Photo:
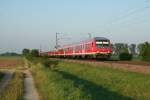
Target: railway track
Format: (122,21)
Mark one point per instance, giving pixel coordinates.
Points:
(134,66)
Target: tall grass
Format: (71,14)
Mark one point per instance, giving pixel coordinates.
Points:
(129,84)
(52,86)
(14,89)
(73,81)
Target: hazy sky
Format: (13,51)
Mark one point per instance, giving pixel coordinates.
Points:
(31,23)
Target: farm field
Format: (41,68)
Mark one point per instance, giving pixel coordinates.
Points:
(74,81)
(10,62)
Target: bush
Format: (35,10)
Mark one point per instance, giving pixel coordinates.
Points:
(50,64)
(125,56)
(46,63)
(29,54)
(35,53)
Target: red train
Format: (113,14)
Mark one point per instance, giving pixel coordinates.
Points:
(98,47)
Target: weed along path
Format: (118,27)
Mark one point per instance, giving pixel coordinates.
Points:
(30,92)
(6,78)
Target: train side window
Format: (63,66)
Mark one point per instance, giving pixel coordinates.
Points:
(89,45)
(83,47)
(92,44)
(86,46)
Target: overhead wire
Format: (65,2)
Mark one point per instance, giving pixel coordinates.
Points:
(124,18)
(129,14)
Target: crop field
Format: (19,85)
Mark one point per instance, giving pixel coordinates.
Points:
(10,62)
(75,81)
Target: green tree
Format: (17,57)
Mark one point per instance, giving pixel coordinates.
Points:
(35,53)
(124,53)
(140,48)
(25,52)
(145,51)
(120,47)
(132,49)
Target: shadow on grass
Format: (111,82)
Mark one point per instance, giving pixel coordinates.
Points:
(96,92)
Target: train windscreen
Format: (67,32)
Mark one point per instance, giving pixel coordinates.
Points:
(101,44)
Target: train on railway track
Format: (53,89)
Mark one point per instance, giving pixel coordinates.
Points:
(97,47)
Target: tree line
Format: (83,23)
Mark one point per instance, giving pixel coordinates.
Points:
(29,54)
(126,52)
(10,54)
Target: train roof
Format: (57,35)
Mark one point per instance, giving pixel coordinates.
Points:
(88,40)
(100,38)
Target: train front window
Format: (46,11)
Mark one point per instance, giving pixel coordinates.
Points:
(101,44)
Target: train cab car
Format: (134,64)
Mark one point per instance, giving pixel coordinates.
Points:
(102,47)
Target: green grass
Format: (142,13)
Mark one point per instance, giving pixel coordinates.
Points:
(14,89)
(136,58)
(114,57)
(52,86)
(73,81)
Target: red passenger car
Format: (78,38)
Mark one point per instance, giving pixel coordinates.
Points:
(98,47)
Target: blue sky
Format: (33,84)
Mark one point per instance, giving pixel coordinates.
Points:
(31,23)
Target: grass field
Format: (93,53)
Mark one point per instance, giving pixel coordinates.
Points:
(14,89)
(9,57)
(73,81)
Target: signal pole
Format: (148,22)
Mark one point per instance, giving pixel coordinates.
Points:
(90,35)
(57,40)
(40,48)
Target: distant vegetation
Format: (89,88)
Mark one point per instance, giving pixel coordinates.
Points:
(145,51)
(10,54)
(127,52)
(30,54)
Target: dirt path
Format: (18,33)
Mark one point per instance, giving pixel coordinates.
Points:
(5,80)
(30,92)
